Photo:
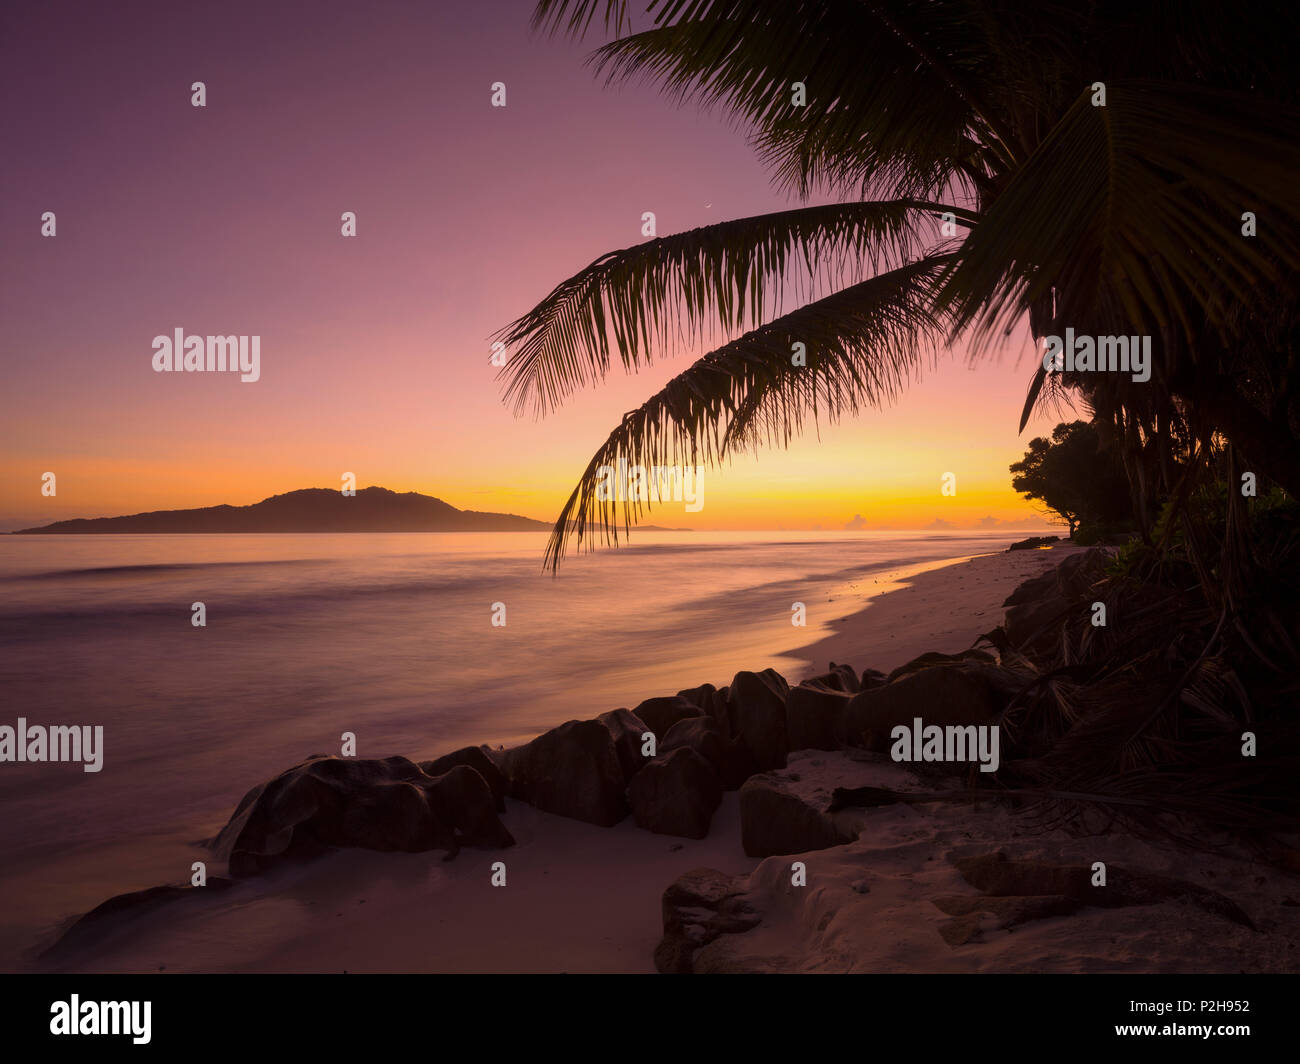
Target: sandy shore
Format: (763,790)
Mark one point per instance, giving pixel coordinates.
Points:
(942,606)
(578,898)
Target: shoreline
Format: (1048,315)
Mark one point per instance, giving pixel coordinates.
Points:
(927,607)
(143,828)
(586,898)
(264,924)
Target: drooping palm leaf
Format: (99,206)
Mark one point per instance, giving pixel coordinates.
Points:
(862,344)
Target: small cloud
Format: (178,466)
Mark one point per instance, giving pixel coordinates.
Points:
(940,523)
(988,521)
(856,525)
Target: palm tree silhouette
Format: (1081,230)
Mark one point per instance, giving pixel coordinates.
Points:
(1072,164)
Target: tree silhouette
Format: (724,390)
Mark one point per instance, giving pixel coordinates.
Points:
(1074,476)
(984,182)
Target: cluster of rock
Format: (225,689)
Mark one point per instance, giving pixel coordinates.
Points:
(388,804)
(709,740)
(1033,543)
(1038,607)
(326,802)
(666,763)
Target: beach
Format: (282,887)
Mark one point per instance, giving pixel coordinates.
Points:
(388,637)
(578,897)
(943,607)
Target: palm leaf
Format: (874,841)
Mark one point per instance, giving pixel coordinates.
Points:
(1136,204)
(862,344)
(574,17)
(730,276)
(890,120)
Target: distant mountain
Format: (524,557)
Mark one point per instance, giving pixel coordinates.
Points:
(311,510)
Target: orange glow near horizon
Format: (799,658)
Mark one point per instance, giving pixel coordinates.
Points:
(883,467)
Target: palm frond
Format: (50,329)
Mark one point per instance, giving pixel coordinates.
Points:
(574,17)
(894,121)
(862,344)
(1138,204)
(676,289)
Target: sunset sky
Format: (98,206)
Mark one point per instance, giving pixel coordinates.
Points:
(374,350)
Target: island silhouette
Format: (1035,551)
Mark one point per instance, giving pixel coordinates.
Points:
(371,509)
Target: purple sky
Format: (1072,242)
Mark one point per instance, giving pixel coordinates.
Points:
(225,219)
